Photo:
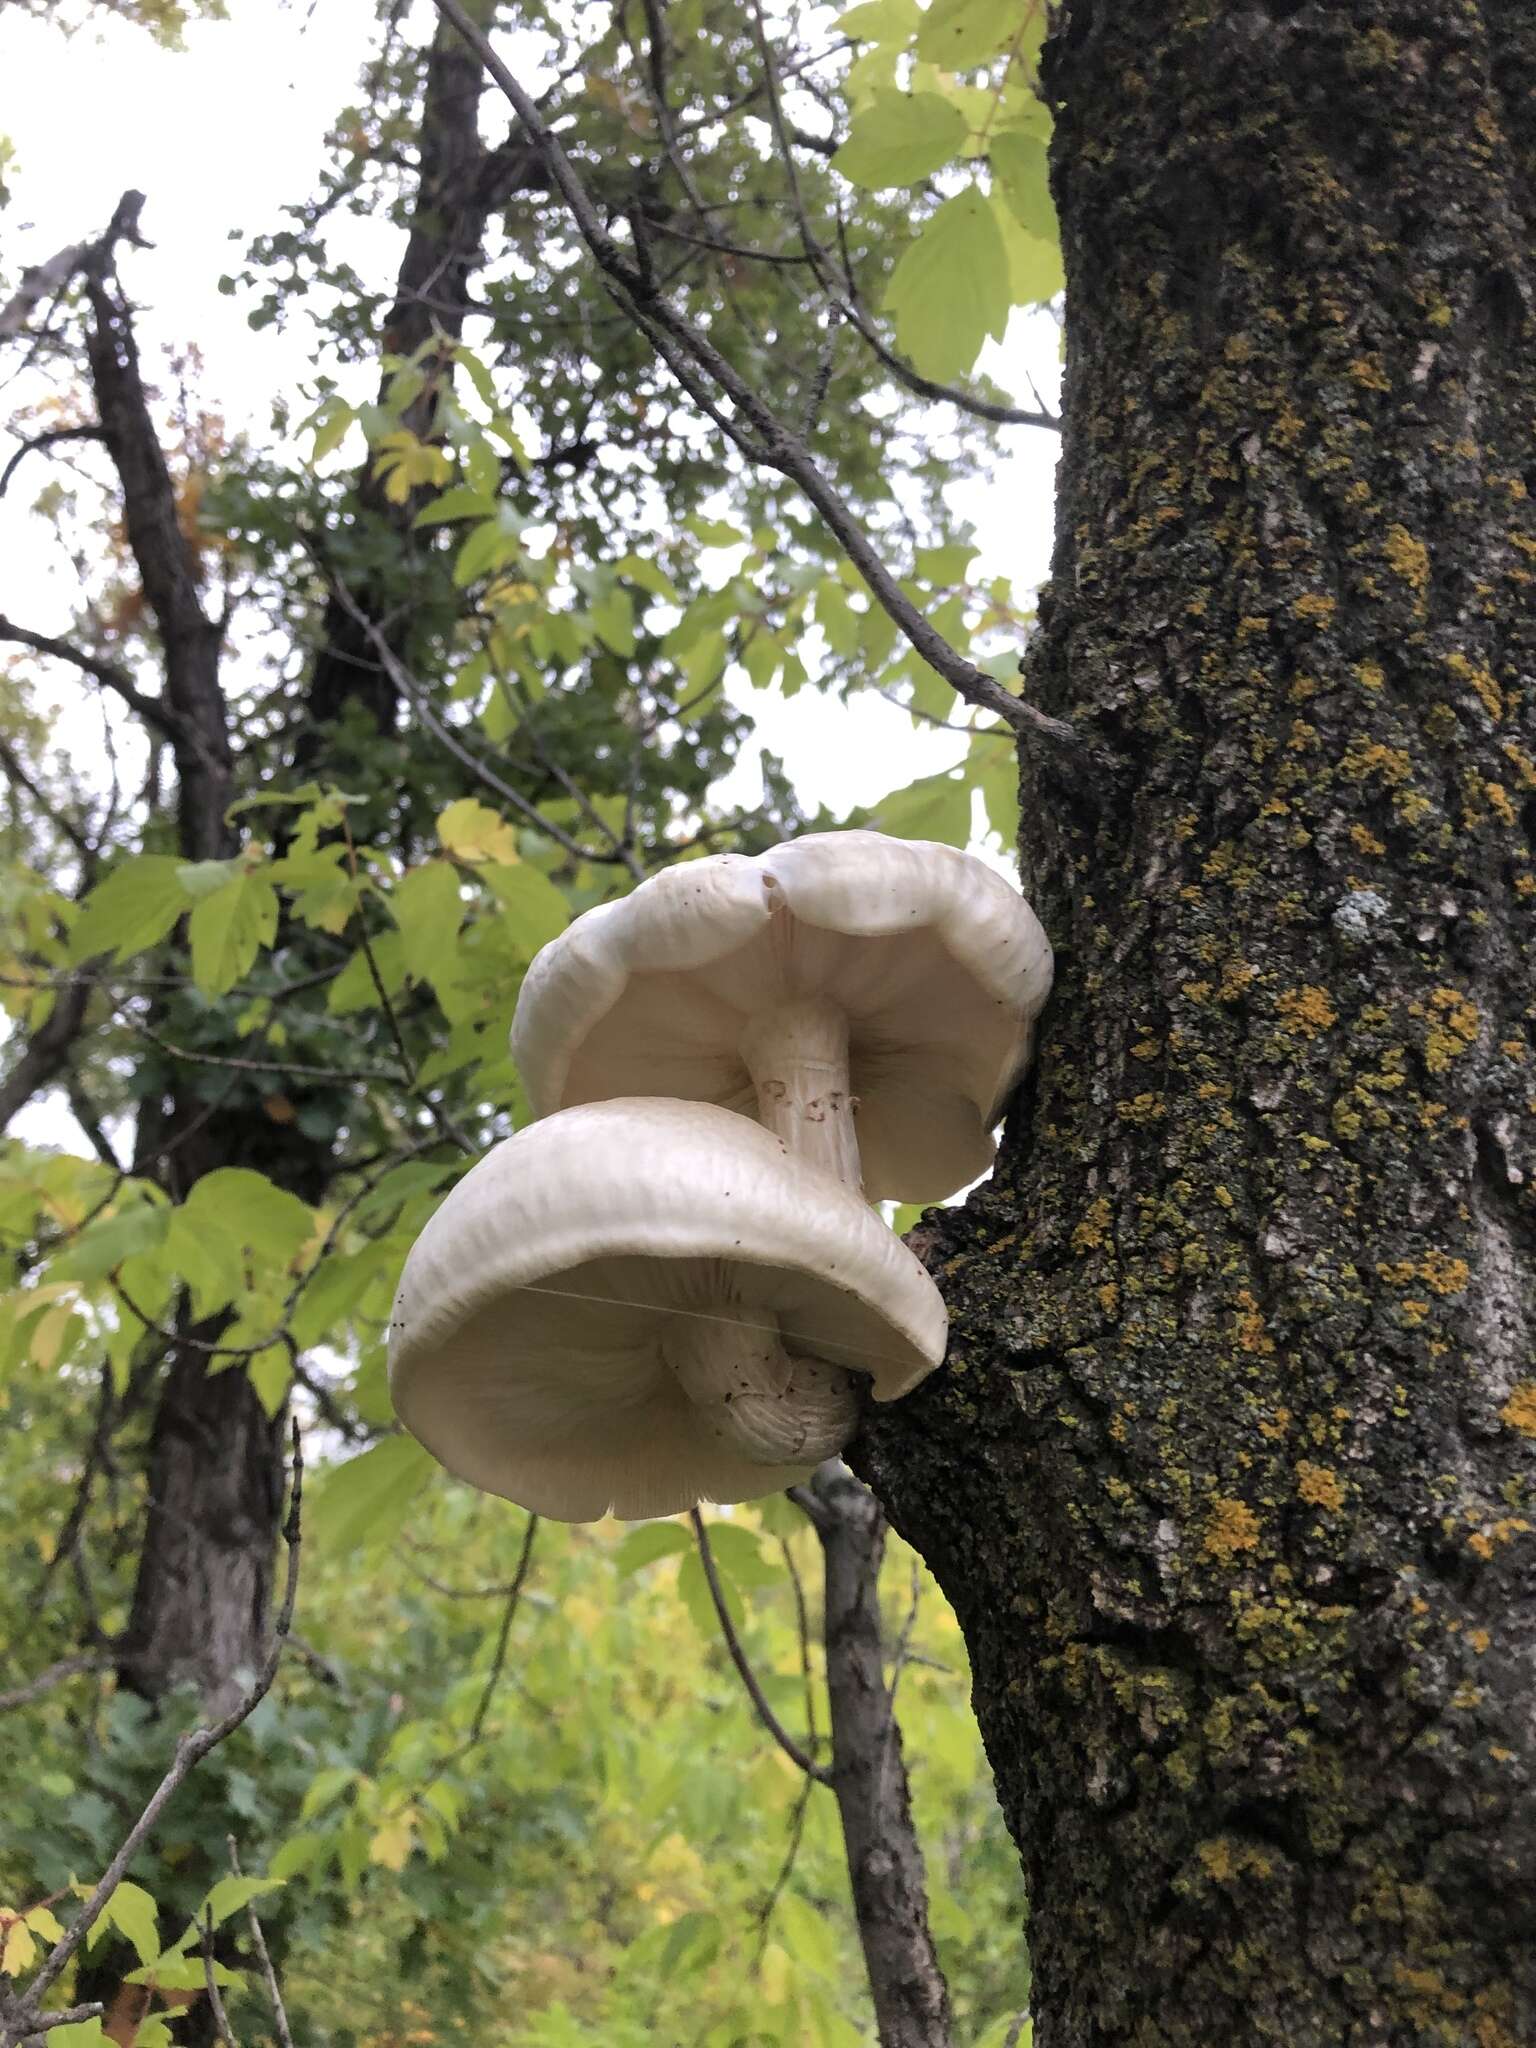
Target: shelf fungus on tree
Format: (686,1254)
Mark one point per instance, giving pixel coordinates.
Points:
(640,1304)
(870,1000)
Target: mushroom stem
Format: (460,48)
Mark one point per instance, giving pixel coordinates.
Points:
(797,1056)
(774,1407)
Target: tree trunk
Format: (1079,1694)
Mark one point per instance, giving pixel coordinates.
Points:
(1230,1475)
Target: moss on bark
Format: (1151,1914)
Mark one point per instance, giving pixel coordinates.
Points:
(1232,1472)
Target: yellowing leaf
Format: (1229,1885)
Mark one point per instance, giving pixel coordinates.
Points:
(392,1844)
(951,288)
(48,1335)
(472,833)
(774,1975)
(17,1947)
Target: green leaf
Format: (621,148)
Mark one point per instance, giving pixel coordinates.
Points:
(936,807)
(995,771)
(714,533)
(699,1601)
(459,503)
(230,1894)
(879,21)
(131,1911)
(489,547)
(229,928)
(1020,164)
(534,909)
(78,2034)
(332,424)
(1035,274)
(301,1852)
(103,1246)
(364,1501)
(652,1540)
(693,1942)
(478,375)
(740,1552)
(960,34)
(951,288)
(427,908)
(240,1215)
(132,909)
(899,138)
(613,619)
(270,1372)
(200,878)
(943,567)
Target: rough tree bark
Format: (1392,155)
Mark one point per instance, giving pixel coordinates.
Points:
(1230,1474)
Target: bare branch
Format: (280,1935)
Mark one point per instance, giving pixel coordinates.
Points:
(51,439)
(46,1052)
(210,1976)
(748,1676)
(752,426)
(264,1960)
(56,1674)
(509,1613)
(45,280)
(152,710)
(20,2017)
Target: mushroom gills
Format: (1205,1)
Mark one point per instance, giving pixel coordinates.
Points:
(797,1056)
(775,1407)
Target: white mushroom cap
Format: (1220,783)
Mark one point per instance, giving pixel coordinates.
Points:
(938,962)
(528,1348)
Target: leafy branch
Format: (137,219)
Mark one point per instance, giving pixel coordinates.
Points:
(752,427)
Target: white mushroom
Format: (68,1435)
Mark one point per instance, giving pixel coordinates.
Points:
(844,972)
(638,1305)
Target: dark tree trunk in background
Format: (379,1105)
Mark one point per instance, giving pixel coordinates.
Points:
(460,183)
(1230,1475)
(204,1581)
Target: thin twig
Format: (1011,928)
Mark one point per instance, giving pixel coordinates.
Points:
(210,1977)
(263,1959)
(245,1066)
(21,2018)
(50,439)
(56,1674)
(753,427)
(416,697)
(748,1676)
(150,709)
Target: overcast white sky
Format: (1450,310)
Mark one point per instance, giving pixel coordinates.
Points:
(219,137)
